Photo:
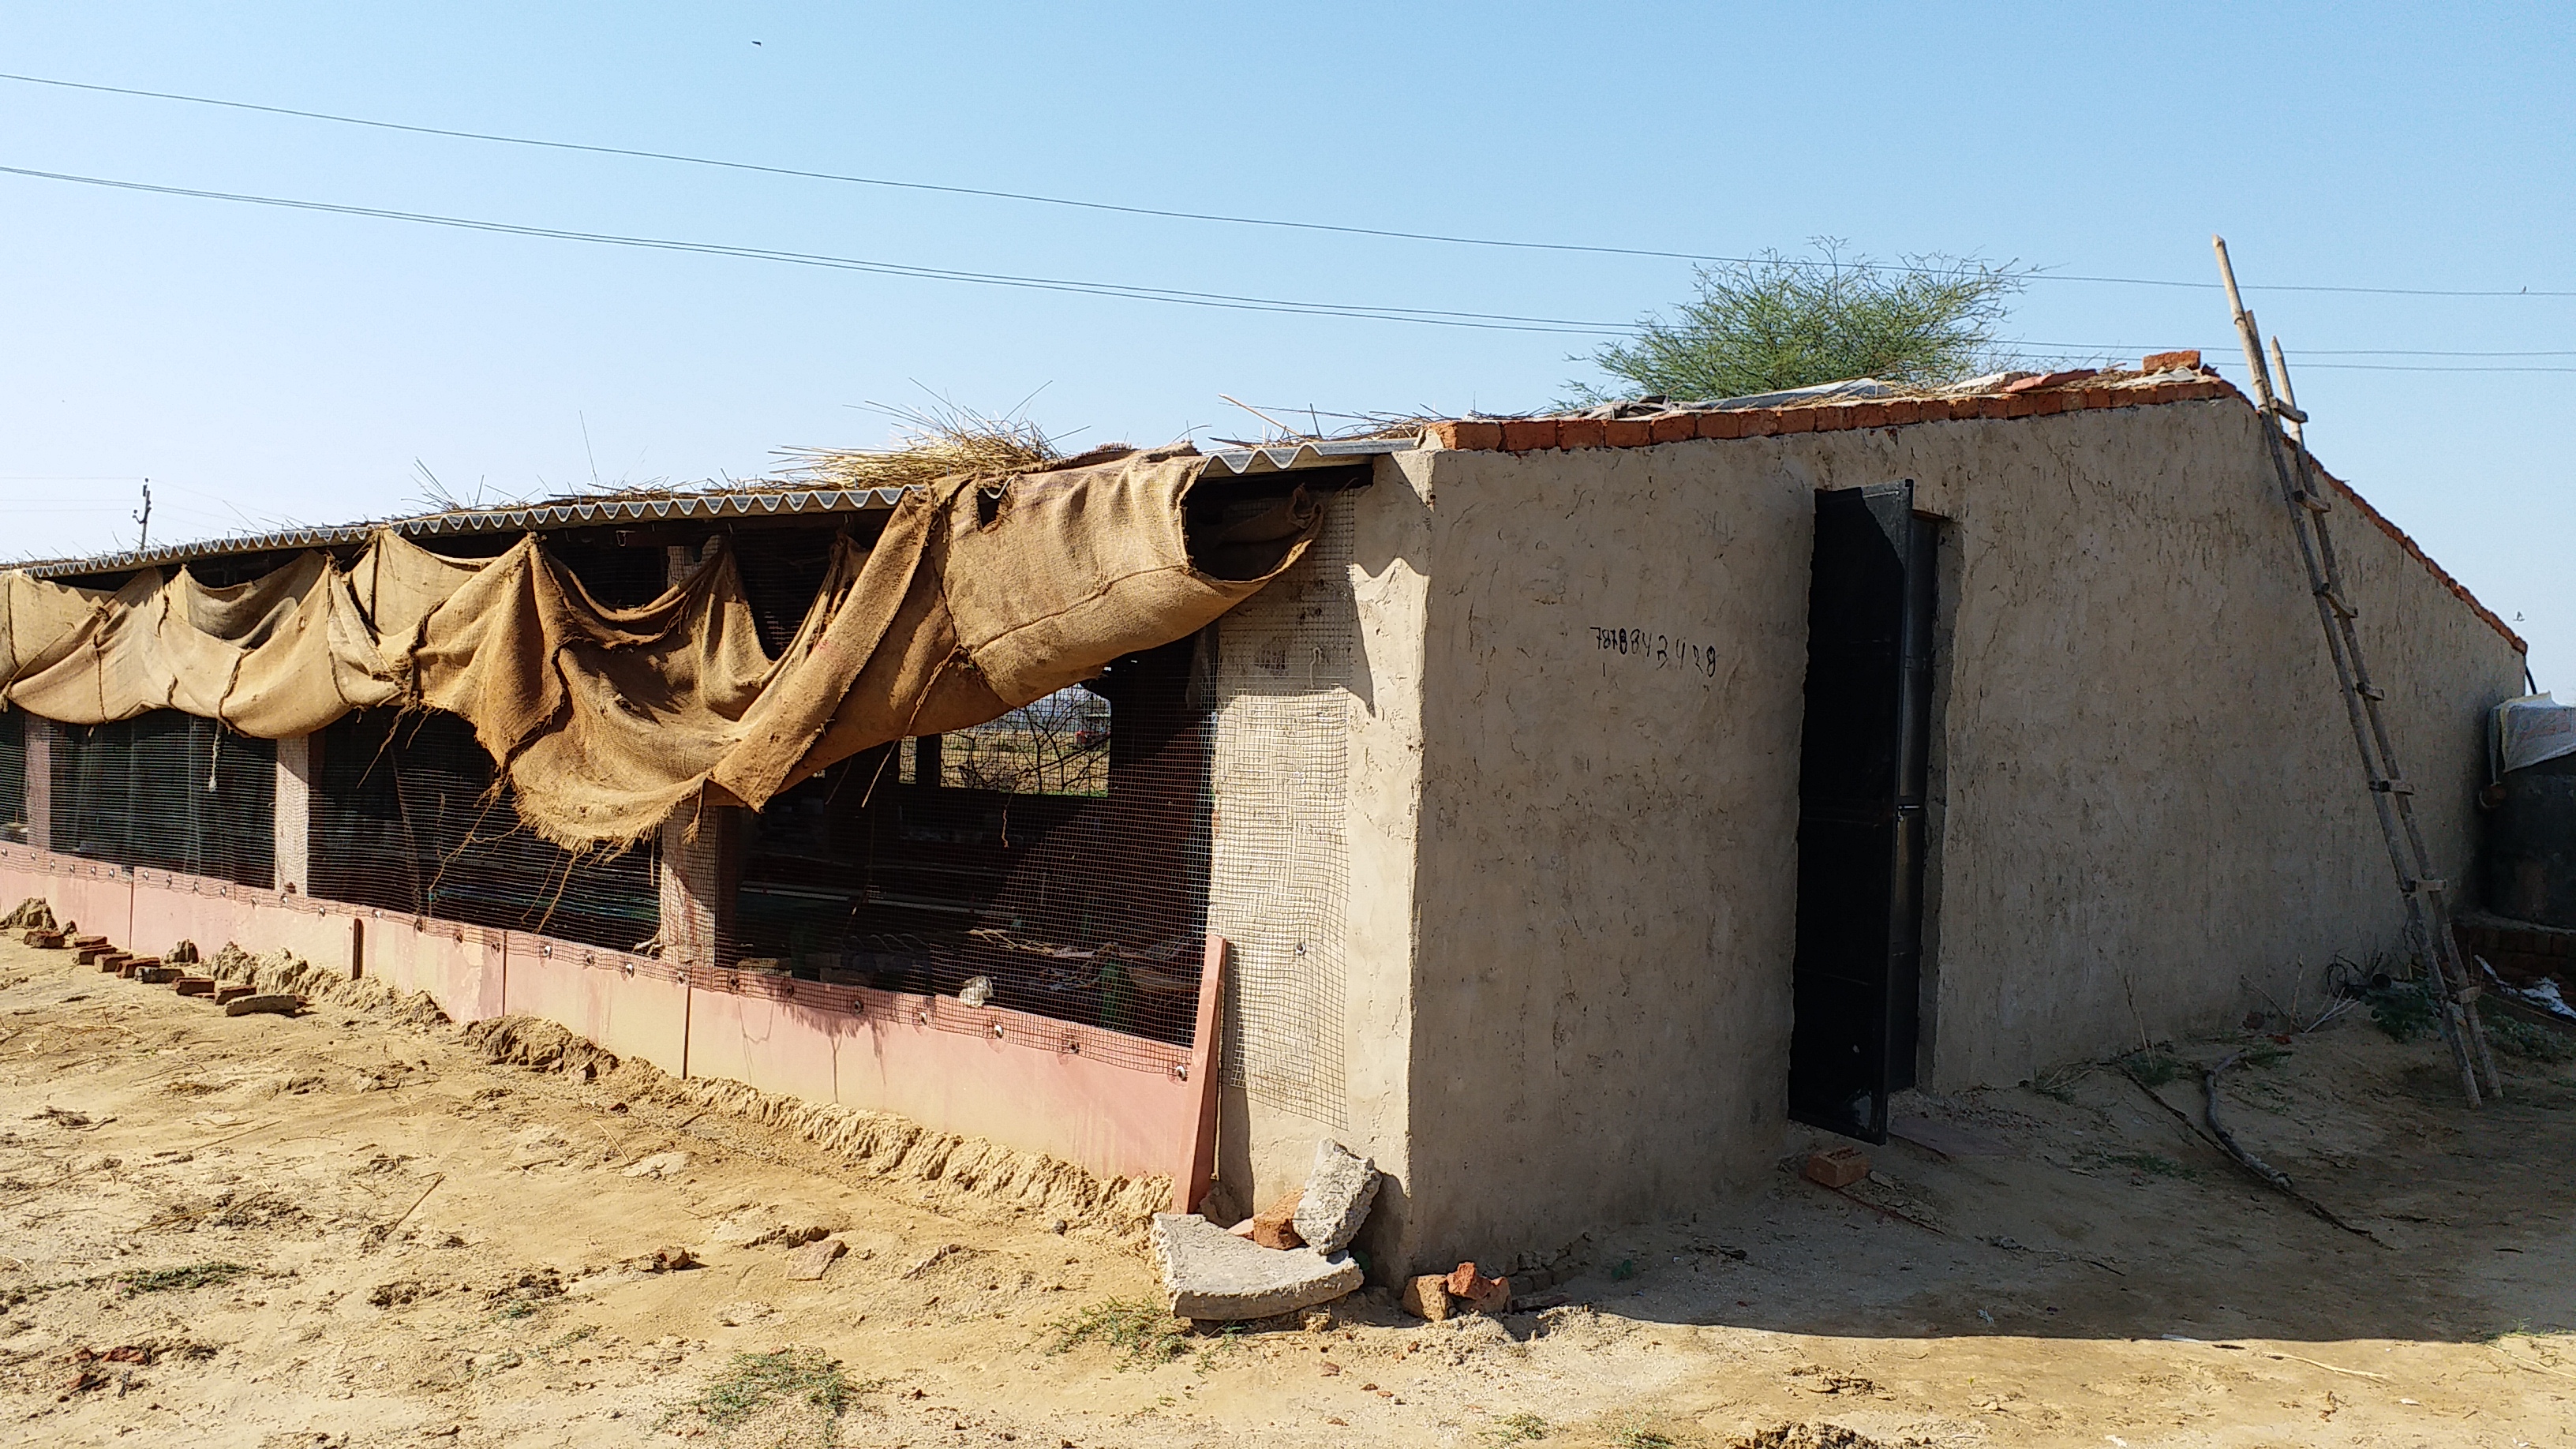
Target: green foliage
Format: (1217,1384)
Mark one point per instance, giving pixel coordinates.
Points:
(2521,1038)
(2154,1067)
(1144,1333)
(2403,1009)
(1781,322)
(756,1380)
(165,1280)
(2150,1163)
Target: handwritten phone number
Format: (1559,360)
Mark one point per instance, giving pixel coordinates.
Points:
(1663,651)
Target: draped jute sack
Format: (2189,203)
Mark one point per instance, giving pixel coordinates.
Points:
(982,594)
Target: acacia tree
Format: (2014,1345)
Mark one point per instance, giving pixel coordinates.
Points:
(1780,322)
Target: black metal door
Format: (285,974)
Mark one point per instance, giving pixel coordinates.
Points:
(1861,777)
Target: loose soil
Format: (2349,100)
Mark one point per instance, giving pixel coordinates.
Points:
(350,1228)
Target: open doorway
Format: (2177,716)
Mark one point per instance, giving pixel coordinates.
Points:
(1862,775)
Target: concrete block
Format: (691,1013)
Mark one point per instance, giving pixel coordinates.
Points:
(282,1004)
(1839,1168)
(1209,1273)
(1277,1228)
(1338,1195)
(807,1263)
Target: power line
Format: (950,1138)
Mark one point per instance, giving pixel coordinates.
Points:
(1422,316)
(1487,321)
(1170,214)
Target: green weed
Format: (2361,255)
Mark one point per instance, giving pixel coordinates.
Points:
(1144,1333)
(2404,1009)
(2154,1066)
(2522,1039)
(2059,1082)
(754,1381)
(1517,1428)
(1632,1437)
(2150,1163)
(166,1280)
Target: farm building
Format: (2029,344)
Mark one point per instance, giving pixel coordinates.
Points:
(1569,803)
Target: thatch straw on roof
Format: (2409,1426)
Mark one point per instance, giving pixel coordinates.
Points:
(940,442)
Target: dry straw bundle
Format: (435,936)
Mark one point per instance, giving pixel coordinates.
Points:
(931,443)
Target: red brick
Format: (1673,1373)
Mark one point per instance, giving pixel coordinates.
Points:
(1277,1228)
(234,992)
(1465,436)
(1835,418)
(1797,420)
(1841,1167)
(1721,425)
(1759,422)
(2045,403)
(2020,405)
(1427,1296)
(2161,361)
(1907,410)
(1871,415)
(2051,379)
(1470,1289)
(1522,435)
(1580,433)
(1628,432)
(2096,397)
(1673,427)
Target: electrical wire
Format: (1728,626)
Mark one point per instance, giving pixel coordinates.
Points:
(1171,214)
(1421,316)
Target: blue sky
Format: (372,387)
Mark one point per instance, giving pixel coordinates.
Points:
(263,365)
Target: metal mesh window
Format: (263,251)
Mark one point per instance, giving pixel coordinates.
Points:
(167,791)
(405,818)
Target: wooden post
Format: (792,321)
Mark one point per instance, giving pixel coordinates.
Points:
(1198,1159)
(40,781)
(298,758)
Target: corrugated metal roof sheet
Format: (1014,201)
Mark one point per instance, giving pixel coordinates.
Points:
(595,512)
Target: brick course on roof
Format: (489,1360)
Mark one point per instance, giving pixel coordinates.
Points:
(2041,395)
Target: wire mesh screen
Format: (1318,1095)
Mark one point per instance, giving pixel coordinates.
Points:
(405,819)
(167,791)
(13,776)
(1279,878)
(1053,861)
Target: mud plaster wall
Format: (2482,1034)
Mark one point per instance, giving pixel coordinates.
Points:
(2144,784)
(1318,739)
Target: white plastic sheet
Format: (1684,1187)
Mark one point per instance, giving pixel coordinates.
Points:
(2532,729)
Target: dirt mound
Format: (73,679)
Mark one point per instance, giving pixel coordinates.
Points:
(1818,1436)
(285,973)
(878,1144)
(33,914)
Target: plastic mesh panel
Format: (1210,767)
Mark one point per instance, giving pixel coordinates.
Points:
(167,791)
(13,776)
(405,819)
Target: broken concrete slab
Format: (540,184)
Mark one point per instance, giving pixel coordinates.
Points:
(1209,1273)
(808,1263)
(1338,1195)
(278,1002)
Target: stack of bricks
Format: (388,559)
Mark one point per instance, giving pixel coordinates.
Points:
(2521,953)
(2029,397)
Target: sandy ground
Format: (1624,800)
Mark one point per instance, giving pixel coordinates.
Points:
(337,1229)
